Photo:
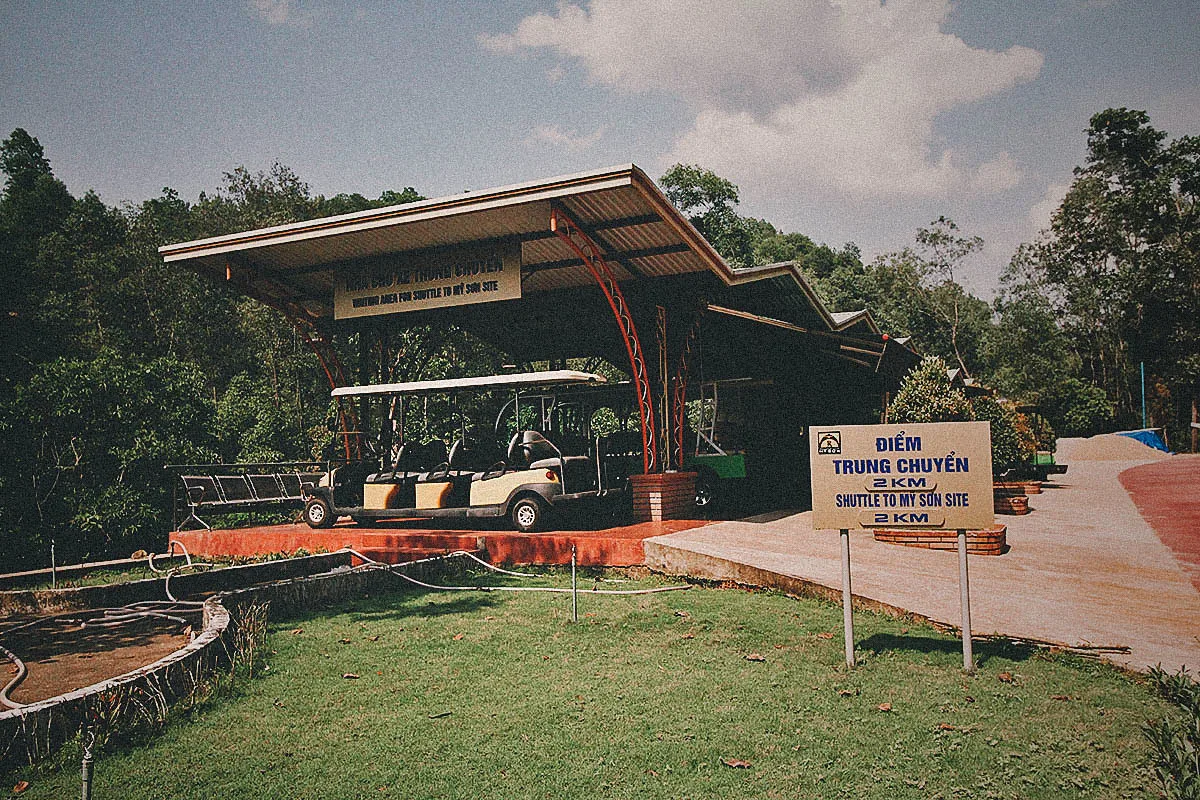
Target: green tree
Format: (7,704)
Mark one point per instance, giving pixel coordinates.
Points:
(710,203)
(926,395)
(88,439)
(1121,264)
(942,254)
(33,205)
(914,292)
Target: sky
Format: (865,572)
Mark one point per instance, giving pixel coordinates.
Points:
(845,120)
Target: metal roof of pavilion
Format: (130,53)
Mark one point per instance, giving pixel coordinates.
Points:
(643,235)
(651,247)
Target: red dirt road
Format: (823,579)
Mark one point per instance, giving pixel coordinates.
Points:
(1167,493)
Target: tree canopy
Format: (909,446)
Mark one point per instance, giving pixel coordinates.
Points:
(116,364)
(1119,270)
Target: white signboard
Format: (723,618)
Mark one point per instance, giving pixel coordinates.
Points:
(925,476)
(452,277)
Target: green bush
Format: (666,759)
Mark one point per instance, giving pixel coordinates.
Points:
(926,396)
(1176,740)
(1082,408)
(1013,441)
(1043,433)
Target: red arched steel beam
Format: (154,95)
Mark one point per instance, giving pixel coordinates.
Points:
(568,231)
(679,390)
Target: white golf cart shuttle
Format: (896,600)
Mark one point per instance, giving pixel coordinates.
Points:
(476,476)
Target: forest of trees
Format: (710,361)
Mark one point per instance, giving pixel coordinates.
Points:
(115,365)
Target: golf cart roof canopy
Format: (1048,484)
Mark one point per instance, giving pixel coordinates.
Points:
(520,380)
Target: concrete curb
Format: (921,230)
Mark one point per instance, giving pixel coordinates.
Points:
(670,560)
(38,602)
(33,732)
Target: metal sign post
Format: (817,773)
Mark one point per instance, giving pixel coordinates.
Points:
(847,599)
(964,588)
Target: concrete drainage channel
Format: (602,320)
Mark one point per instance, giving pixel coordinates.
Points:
(32,732)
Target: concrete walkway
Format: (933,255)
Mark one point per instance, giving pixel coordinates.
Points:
(1084,569)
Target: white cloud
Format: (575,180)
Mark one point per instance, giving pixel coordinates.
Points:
(569,140)
(1043,210)
(837,96)
(996,174)
(281,12)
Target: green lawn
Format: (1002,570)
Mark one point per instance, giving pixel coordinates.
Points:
(495,695)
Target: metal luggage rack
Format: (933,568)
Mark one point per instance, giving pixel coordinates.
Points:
(218,488)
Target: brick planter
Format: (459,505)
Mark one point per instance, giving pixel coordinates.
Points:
(990,542)
(663,495)
(1014,488)
(1016,506)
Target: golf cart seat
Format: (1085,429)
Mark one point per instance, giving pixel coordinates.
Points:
(411,460)
(430,454)
(467,457)
(528,447)
(514,458)
(532,450)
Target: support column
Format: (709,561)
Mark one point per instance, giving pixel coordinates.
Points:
(589,252)
(679,393)
(665,422)
(663,495)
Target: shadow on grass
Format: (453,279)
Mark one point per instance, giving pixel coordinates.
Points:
(397,606)
(418,606)
(984,650)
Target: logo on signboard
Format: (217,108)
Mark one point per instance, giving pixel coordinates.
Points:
(829,443)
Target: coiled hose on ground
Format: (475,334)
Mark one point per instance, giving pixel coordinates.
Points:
(550,589)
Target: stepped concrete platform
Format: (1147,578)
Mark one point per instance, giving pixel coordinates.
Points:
(409,540)
(1084,569)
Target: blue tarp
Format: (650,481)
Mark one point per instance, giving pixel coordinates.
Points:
(1148,437)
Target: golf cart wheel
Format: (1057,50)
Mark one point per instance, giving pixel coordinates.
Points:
(527,514)
(318,514)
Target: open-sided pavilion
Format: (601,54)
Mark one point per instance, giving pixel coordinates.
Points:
(592,264)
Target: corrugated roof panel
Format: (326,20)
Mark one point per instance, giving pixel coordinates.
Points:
(845,317)
(566,278)
(669,264)
(608,204)
(410,213)
(421,234)
(543,250)
(640,237)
